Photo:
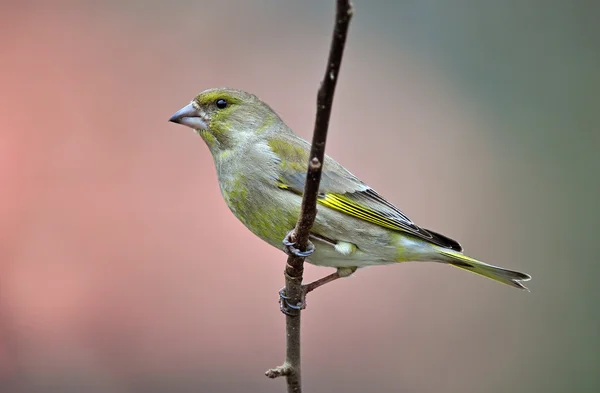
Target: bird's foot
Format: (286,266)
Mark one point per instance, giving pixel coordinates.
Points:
(290,247)
(291,309)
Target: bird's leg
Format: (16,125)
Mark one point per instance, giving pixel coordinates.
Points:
(284,305)
(311,286)
(341,272)
(291,250)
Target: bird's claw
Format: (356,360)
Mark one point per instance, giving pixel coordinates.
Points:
(291,250)
(287,239)
(291,309)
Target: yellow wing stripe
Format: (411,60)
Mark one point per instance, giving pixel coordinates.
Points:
(352,208)
(345,205)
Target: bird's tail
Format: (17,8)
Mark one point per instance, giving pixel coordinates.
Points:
(509,277)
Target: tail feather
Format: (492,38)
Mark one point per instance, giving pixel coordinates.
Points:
(505,276)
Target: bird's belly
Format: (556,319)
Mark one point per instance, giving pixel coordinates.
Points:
(270,215)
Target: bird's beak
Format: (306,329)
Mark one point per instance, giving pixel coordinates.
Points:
(189,116)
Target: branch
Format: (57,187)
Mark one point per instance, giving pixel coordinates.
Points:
(295,265)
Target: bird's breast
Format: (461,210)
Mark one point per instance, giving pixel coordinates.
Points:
(264,210)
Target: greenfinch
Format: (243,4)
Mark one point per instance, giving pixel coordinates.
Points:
(261,166)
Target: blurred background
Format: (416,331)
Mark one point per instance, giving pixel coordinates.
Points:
(122,270)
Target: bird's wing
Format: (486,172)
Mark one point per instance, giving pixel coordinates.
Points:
(342,191)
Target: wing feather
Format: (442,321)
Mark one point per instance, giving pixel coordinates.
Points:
(342,191)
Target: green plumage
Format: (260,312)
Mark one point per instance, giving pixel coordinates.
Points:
(261,164)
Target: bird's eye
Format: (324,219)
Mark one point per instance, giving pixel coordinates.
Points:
(221,103)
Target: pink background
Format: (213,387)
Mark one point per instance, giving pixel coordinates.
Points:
(122,270)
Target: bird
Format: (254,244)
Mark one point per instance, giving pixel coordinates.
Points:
(261,167)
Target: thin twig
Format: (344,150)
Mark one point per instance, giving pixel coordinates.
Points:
(295,265)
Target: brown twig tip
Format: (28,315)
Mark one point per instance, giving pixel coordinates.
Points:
(280,371)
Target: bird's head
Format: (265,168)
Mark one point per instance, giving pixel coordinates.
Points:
(226,118)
